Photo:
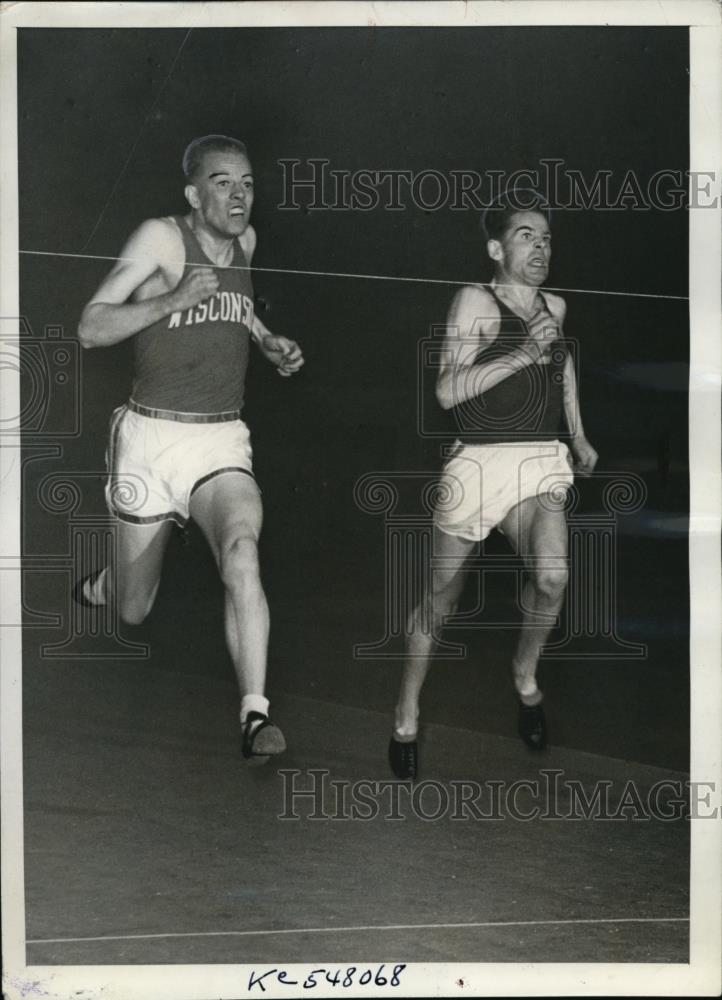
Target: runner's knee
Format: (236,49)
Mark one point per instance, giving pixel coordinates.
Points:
(443,599)
(238,562)
(551,581)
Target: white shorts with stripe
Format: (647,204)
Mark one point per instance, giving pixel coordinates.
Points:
(480,484)
(156,463)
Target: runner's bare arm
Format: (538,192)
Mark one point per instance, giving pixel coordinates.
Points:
(472,326)
(585,456)
(259,331)
(110,318)
(572,415)
(285,354)
(248,243)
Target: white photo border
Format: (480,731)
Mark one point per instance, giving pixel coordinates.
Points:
(702,975)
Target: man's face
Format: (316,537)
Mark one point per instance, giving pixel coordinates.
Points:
(222,192)
(525,249)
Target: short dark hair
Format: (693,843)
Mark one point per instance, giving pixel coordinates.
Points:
(497,217)
(196,150)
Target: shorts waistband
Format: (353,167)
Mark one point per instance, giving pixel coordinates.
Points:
(184,418)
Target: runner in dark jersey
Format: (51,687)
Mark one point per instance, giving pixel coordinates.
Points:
(179,449)
(507,379)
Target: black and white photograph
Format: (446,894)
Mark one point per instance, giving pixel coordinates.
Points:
(360,462)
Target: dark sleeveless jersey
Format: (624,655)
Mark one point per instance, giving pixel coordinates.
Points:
(525,406)
(195,361)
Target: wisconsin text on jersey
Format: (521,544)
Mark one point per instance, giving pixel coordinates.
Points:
(230,307)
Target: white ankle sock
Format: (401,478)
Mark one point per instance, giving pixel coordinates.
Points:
(530,697)
(253,703)
(408,730)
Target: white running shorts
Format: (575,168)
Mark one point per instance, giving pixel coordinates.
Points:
(480,484)
(155,465)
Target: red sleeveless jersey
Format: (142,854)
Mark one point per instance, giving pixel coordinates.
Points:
(195,361)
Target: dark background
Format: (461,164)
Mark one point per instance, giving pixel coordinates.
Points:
(445,99)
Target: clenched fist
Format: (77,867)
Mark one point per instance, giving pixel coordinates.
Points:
(285,354)
(198,284)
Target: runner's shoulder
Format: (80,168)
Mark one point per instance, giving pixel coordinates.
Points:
(475,311)
(159,238)
(164,227)
(557,305)
(475,297)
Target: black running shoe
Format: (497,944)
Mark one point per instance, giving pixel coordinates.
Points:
(532,726)
(404,759)
(261,738)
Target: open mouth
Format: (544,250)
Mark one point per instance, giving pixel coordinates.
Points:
(538,262)
(236,212)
